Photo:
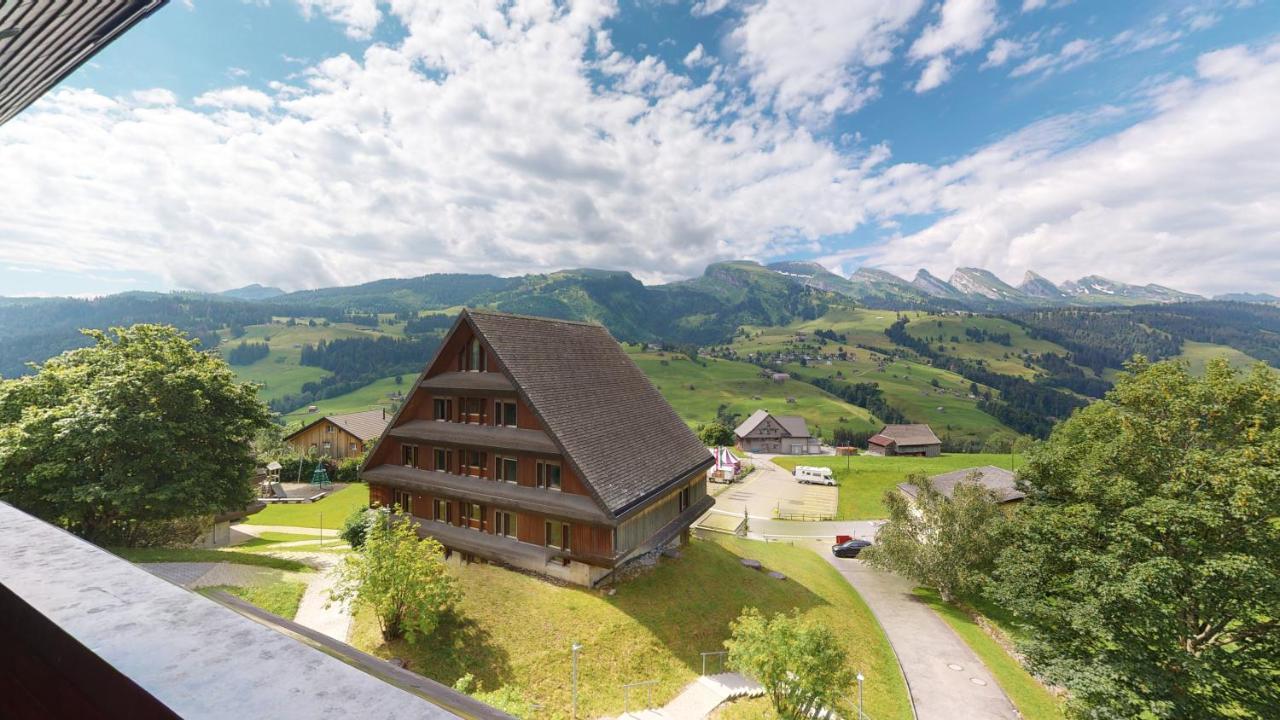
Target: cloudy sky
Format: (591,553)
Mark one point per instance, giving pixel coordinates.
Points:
(305,143)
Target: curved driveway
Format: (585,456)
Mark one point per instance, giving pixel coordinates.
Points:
(946,679)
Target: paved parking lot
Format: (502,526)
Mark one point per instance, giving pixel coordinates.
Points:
(770,489)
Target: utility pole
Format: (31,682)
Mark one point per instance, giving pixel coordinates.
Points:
(576,647)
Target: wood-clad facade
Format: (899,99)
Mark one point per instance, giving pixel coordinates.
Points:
(475,462)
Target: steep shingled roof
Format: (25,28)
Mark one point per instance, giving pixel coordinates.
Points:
(998,480)
(616,428)
(366,425)
(908,435)
(794,425)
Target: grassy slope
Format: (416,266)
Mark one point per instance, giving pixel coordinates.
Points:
(517,629)
(864,479)
(280,598)
(335,507)
(1031,698)
(736,384)
(371,396)
(905,383)
(932,326)
(150,555)
(1199,354)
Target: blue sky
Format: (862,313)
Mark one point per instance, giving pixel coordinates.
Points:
(315,142)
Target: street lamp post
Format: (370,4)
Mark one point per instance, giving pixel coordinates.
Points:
(860,679)
(576,648)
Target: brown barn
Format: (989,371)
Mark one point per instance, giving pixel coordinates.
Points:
(912,440)
(538,443)
(339,436)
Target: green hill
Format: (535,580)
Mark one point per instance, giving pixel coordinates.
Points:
(697,390)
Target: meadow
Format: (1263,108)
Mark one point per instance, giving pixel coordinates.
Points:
(696,390)
(864,479)
(514,631)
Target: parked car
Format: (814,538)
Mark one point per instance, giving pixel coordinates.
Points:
(809,475)
(850,548)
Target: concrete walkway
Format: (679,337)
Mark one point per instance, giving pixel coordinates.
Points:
(700,698)
(315,610)
(946,679)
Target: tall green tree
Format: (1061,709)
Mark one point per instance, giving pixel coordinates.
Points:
(800,663)
(945,543)
(1147,558)
(401,578)
(715,434)
(140,426)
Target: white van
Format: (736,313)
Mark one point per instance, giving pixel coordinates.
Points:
(814,475)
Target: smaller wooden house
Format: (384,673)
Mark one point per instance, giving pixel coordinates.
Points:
(910,440)
(776,434)
(339,436)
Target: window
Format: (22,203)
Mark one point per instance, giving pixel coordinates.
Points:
(475,356)
(504,523)
(557,535)
(442,409)
(409,455)
(328,446)
(403,500)
(444,458)
(472,409)
(353,448)
(475,513)
(686,495)
(508,469)
(548,475)
(474,462)
(504,413)
(441,511)
(328,429)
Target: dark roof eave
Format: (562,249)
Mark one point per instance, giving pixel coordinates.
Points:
(641,503)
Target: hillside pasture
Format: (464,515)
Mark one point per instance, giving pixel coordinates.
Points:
(375,395)
(1198,355)
(696,390)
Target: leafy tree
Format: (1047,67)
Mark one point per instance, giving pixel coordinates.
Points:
(355,529)
(945,543)
(139,427)
(401,578)
(715,433)
(1147,559)
(800,663)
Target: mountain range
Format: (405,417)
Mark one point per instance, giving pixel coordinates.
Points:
(705,310)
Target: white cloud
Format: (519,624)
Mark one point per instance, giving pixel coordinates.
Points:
(155,96)
(935,73)
(703,8)
(697,56)
(962,26)
(235,97)
(1029,5)
(1002,50)
(832,69)
(512,157)
(361,17)
(1189,197)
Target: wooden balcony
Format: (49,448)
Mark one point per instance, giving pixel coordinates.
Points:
(467,435)
(502,495)
(485,382)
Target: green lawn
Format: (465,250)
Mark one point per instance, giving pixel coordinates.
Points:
(280,598)
(153,555)
(1031,698)
(516,630)
(334,507)
(696,391)
(281,372)
(374,395)
(864,479)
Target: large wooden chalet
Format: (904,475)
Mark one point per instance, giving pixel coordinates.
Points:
(538,443)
